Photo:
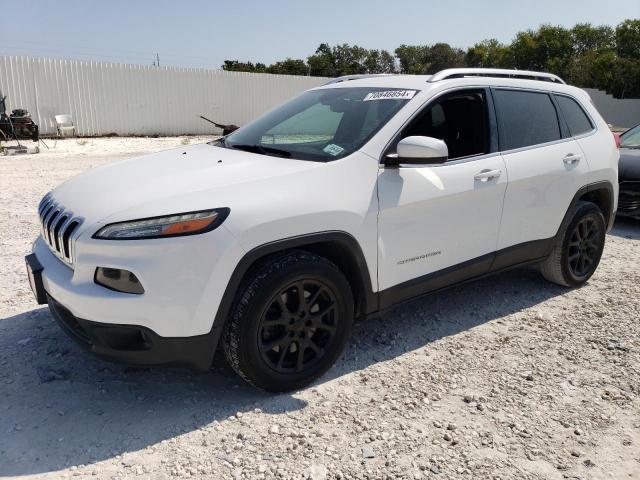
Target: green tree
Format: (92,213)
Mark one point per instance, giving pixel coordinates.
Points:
(237,66)
(587,56)
(628,39)
(322,63)
(425,59)
(412,58)
(626,79)
(345,59)
(379,61)
(587,38)
(581,71)
(489,54)
(525,51)
(349,60)
(556,48)
(550,48)
(290,66)
(441,56)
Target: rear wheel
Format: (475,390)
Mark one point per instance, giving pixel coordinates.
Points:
(290,323)
(578,248)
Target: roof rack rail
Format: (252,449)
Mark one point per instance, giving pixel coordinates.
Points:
(347,78)
(495,72)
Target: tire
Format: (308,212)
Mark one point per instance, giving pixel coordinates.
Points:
(582,234)
(279,341)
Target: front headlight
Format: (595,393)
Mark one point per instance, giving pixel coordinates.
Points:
(167,226)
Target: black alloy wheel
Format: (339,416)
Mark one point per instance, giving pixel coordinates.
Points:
(291,321)
(578,246)
(298,326)
(584,247)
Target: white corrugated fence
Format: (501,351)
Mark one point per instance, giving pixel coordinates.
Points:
(106,98)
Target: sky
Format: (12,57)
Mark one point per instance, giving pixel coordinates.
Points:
(204,33)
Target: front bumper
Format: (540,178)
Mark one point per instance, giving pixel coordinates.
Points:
(184,279)
(172,322)
(136,345)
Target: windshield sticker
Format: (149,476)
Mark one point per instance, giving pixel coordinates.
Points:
(333,150)
(390,95)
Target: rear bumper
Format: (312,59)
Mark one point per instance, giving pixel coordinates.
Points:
(136,345)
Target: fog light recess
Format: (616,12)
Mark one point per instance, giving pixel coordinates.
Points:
(118,280)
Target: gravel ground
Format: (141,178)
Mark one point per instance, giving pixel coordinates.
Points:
(505,378)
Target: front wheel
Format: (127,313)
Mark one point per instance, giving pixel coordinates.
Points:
(578,247)
(291,321)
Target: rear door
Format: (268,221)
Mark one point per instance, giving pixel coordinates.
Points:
(545,166)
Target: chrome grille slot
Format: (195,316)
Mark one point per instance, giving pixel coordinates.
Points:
(58,226)
(45,212)
(62,219)
(52,217)
(45,201)
(66,235)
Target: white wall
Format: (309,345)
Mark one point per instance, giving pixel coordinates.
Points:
(108,98)
(617,112)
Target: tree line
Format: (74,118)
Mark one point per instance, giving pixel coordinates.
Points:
(587,56)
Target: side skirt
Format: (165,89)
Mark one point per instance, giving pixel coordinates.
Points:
(474,269)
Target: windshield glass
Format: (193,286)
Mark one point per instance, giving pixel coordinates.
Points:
(321,125)
(631,138)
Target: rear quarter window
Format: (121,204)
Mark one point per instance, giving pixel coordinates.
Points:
(526,118)
(576,118)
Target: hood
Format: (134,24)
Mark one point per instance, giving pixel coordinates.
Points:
(629,165)
(173,181)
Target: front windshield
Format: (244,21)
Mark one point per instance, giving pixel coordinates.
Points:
(631,138)
(321,125)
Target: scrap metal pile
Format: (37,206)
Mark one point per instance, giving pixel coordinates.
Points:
(18,125)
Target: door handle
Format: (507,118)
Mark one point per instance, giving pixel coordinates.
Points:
(486,175)
(571,159)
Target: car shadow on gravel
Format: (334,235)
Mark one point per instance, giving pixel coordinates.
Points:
(61,407)
(628,228)
(442,314)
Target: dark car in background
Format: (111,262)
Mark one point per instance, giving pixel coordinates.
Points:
(629,173)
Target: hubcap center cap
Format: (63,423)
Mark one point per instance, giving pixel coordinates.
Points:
(298,324)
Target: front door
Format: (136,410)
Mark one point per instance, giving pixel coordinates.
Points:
(439,224)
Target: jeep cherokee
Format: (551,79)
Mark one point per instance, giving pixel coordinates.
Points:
(343,202)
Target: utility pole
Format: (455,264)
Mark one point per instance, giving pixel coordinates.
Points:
(157,60)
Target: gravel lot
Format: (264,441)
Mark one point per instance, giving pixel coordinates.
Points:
(504,378)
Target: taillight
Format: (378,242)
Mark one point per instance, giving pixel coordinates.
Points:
(617,137)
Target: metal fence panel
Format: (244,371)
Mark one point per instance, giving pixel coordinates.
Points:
(618,112)
(106,98)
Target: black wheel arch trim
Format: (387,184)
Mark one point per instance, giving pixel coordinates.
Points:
(368,298)
(601,186)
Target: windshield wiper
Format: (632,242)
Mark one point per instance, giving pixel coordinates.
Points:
(262,150)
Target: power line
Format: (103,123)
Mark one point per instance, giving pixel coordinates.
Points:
(85,56)
(57,46)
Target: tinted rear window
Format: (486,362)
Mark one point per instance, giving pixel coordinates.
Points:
(574,115)
(526,118)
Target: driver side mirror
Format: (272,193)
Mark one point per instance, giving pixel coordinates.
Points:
(418,150)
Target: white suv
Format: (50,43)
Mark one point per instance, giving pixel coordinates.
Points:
(345,201)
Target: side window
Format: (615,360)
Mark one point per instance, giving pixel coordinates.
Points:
(577,121)
(526,118)
(459,119)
